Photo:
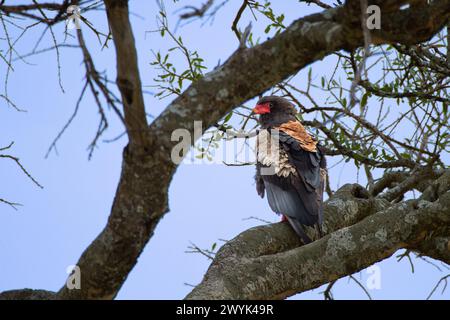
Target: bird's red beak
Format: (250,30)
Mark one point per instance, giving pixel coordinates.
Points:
(262,108)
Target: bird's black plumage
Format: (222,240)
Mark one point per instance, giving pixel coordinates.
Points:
(298,195)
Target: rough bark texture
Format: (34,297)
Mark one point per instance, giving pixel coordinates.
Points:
(141,197)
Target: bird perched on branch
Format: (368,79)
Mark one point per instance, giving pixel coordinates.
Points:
(290,167)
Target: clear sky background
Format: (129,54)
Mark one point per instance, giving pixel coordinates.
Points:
(207,202)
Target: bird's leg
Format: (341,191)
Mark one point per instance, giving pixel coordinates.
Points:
(283,218)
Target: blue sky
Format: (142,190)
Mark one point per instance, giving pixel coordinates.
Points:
(207,202)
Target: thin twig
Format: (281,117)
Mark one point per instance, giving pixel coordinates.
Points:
(443,279)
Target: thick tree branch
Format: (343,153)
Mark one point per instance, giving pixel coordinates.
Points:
(128,78)
(141,197)
(27,294)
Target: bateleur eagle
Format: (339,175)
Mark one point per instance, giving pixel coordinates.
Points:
(293,172)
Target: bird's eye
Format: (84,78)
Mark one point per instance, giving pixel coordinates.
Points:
(270,104)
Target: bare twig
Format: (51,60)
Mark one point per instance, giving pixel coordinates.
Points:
(234,26)
(195,249)
(17,161)
(406,254)
(327,293)
(361,286)
(319,3)
(257,219)
(11,204)
(196,12)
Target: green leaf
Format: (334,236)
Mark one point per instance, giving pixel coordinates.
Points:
(364,100)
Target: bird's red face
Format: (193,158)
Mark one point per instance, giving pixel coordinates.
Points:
(262,108)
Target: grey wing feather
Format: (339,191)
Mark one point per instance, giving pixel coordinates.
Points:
(259,181)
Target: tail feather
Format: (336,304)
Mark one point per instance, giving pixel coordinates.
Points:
(319,230)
